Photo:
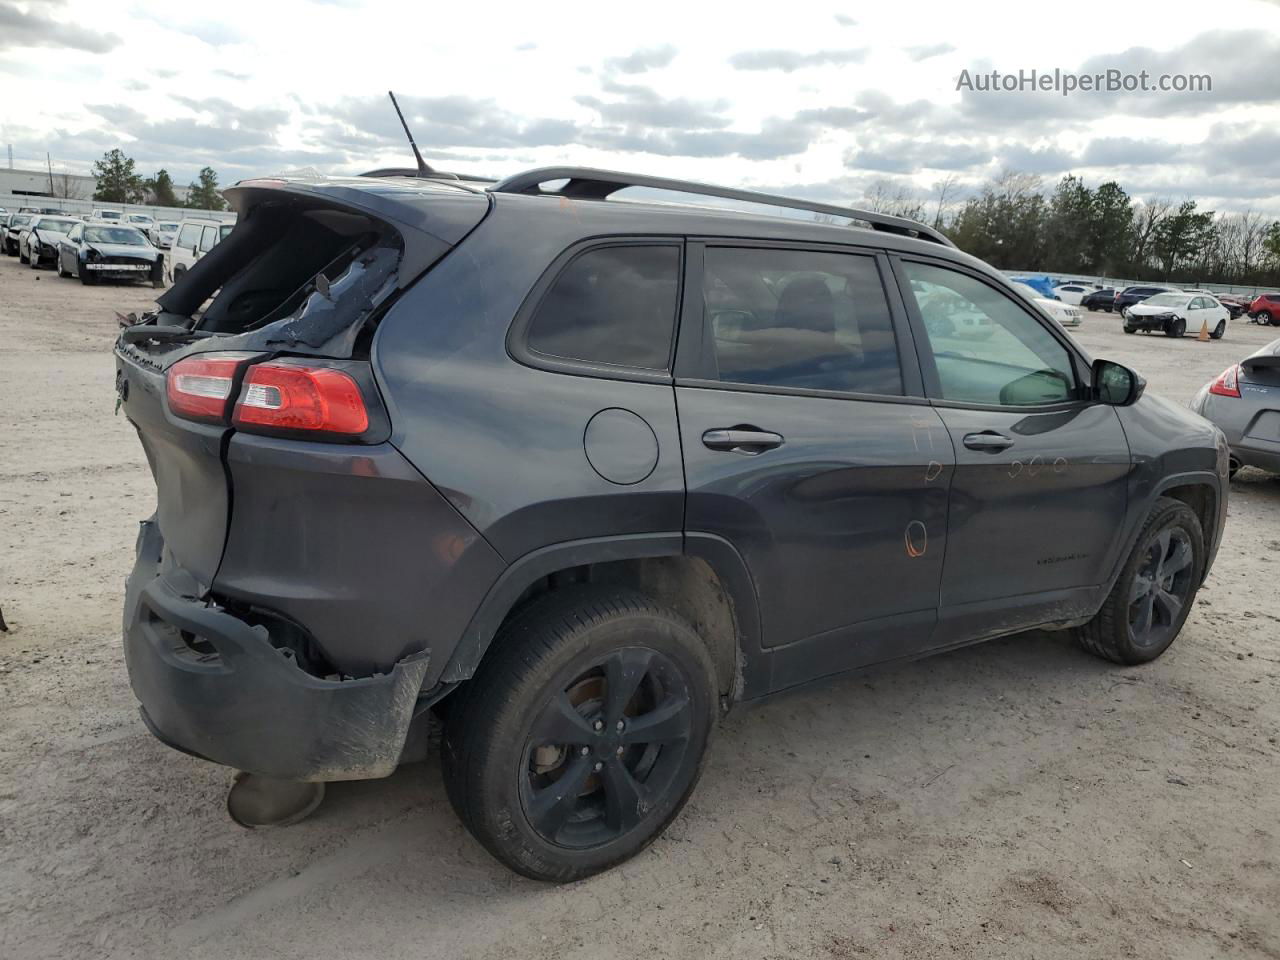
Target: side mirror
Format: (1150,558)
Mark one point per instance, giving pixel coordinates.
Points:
(1115,384)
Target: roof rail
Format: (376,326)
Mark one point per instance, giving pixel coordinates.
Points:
(586,183)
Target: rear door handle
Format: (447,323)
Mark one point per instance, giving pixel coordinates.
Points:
(988,441)
(744,440)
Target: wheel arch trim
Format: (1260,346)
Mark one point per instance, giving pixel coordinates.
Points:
(723,559)
(1193,478)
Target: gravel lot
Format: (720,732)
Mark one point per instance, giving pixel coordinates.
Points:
(1018,799)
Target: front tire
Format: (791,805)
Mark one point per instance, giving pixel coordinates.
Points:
(1150,601)
(1176,328)
(1129,329)
(582,733)
(22,257)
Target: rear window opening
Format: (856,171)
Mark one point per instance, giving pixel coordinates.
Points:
(297,274)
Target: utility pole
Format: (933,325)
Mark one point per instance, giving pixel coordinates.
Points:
(49,164)
(11,156)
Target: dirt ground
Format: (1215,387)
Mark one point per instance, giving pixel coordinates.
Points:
(1018,799)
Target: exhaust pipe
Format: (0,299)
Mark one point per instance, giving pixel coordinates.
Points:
(257,801)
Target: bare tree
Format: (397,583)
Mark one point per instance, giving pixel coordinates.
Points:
(1146,221)
(1252,240)
(946,191)
(68,187)
(900,201)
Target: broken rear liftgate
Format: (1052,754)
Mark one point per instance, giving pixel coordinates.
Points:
(255,416)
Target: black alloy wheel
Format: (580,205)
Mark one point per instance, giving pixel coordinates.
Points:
(604,747)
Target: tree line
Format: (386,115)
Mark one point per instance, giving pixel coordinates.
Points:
(120,182)
(1015,222)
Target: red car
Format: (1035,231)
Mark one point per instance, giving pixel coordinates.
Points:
(1266,309)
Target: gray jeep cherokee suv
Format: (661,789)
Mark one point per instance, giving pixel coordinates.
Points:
(577,473)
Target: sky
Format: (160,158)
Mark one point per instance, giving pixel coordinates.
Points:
(823,100)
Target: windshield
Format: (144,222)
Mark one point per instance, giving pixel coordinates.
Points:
(123,235)
(1166,300)
(20,220)
(140,218)
(55,225)
(224,230)
(166,226)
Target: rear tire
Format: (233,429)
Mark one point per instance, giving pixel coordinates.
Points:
(1219,330)
(600,688)
(1149,603)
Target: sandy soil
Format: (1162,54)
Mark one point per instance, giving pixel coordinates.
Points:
(1019,799)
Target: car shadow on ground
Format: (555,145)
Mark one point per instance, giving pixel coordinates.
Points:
(891,710)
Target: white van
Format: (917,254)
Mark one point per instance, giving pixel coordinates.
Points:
(196,237)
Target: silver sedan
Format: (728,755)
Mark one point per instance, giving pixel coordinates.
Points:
(1244,401)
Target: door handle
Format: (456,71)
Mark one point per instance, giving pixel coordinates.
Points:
(988,441)
(744,440)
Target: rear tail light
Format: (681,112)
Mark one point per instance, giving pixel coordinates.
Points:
(199,387)
(289,396)
(1228,382)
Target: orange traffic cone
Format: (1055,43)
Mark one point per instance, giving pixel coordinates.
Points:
(1204,332)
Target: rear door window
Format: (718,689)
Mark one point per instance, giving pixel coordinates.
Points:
(612,305)
(799,319)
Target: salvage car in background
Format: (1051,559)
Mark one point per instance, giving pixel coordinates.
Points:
(1099,300)
(1237,305)
(13,228)
(1131,295)
(38,243)
(1075,291)
(163,233)
(196,236)
(102,251)
(1265,309)
(142,221)
(1066,315)
(1244,402)
(1173,314)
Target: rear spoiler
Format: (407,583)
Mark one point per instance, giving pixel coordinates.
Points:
(430,217)
(1267,358)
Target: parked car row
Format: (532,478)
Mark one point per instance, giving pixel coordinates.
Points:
(1263,309)
(110,248)
(92,251)
(160,232)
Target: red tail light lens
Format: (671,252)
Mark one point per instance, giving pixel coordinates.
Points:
(1228,382)
(199,387)
(287,396)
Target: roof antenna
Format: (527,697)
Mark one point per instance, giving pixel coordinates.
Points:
(423,169)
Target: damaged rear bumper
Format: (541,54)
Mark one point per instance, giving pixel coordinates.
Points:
(215,686)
